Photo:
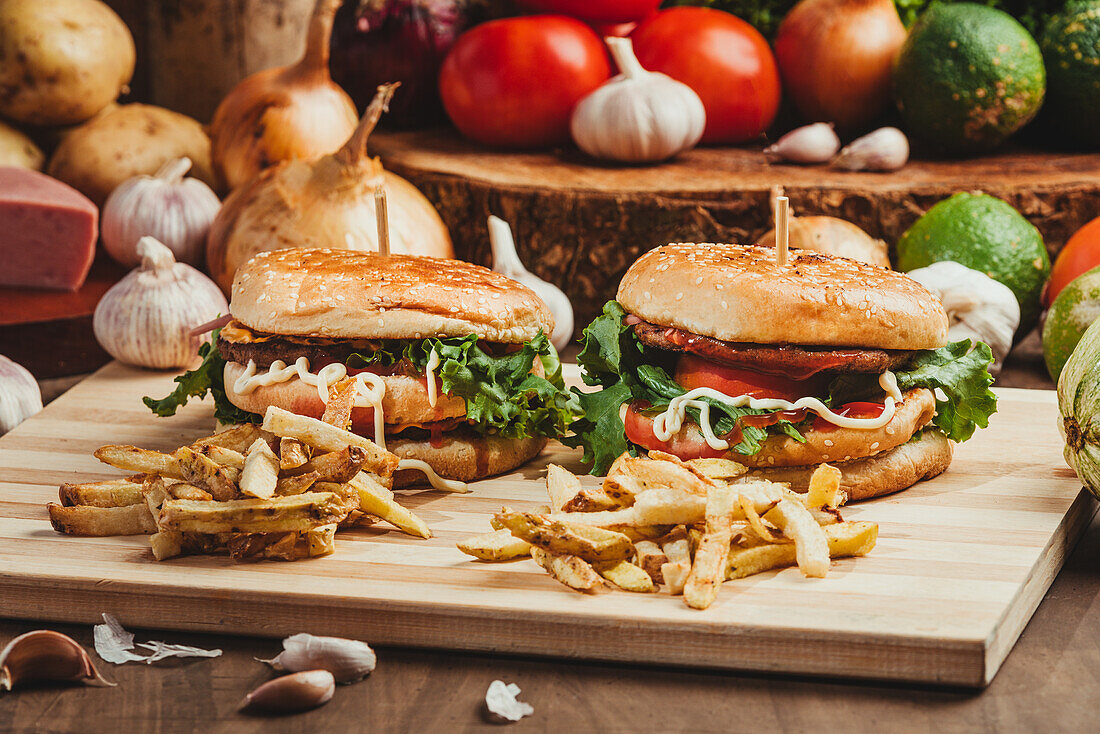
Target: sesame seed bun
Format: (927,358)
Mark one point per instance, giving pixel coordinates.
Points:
(738,293)
(363,295)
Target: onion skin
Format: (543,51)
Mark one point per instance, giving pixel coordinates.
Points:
(837,57)
(285,113)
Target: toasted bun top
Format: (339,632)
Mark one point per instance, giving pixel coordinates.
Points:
(364,295)
(739,293)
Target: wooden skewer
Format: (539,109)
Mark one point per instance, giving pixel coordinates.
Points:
(383,215)
(782,234)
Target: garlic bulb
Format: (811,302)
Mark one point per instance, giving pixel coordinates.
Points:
(146,318)
(177,211)
(978,307)
(885,149)
(20,397)
(816,143)
(506,261)
(638,116)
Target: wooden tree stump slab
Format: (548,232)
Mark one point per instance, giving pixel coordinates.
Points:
(581,225)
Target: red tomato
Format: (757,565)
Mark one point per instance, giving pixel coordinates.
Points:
(724,59)
(602,11)
(1081,254)
(850,410)
(688,444)
(693,372)
(514,82)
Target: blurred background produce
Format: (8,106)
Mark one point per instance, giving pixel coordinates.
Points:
(1073,311)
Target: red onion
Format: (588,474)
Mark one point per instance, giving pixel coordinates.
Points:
(380,41)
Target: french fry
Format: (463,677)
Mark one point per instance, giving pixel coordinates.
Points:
(237,438)
(91,521)
(756,523)
(278,514)
(286,546)
(335,466)
(677,548)
(499,545)
(619,490)
(824,490)
(322,436)
(377,500)
(651,558)
(574,572)
(292,453)
(844,539)
(675,574)
(296,484)
(166,544)
(625,575)
(561,486)
(322,540)
(810,543)
(722,469)
(225,457)
(341,400)
(220,481)
(588,543)
(185,491)
(111,493)
(652,507)
(131,458)
(663,474)
(708,569)
(260,474)
(155,492)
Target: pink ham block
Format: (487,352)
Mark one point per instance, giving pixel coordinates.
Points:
(48,231)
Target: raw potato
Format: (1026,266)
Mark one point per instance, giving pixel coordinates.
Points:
(61,61)
(17,150)
(132,140)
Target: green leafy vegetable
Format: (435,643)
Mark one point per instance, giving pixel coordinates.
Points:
(502,396)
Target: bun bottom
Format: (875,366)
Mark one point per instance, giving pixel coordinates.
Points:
(463,455)
(885,473)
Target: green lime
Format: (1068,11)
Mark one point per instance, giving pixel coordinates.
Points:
(1071,49)
(1073,311)
(967,77)
(986,234)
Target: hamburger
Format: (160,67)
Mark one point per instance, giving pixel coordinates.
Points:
(451,361)
(718,351)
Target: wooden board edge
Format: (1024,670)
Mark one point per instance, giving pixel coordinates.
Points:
(1047,567)
(910,660)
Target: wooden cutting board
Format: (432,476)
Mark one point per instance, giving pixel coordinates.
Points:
(962,561)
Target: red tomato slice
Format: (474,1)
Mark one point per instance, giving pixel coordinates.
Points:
(688,444)
(850,410)
(693,372)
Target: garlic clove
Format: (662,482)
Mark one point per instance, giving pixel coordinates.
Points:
(298,692)
(20,396)
(347,660)
(45,655)
(816,143)
(885,149)
(506,261)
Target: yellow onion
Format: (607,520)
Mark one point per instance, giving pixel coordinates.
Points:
(285,113)
(329,203)
(837,58)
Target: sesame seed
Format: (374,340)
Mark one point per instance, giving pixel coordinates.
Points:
(828,442)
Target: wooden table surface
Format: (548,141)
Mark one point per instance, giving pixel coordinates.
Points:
(1049,683)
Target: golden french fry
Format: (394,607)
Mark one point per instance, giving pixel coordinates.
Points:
(236,438)
(824,490)
(223,456)
(155,492)
(131,458)
(111,493)
(322,436)
(377,500)
(574,572)
(625,575)
(278,514)
(166,544)
(292,453)
(185,491)
(335,466)
(756,523)
(220,481)
(675,575)
(652,507)
(284,546)
(708,569)
(844,539)
(261,471)
(651,558)
(664,473)
(588,543)
(296,484)
(322,540)
(723,469)
(810,543)
(341,400)
(91,521)
(562,485)
(499,545)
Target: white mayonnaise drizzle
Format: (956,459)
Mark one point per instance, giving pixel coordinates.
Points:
(669,423)
(369,391)
(429,376)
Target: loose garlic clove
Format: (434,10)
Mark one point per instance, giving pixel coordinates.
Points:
(20,397)
(45,655)
(816,143)
(347,660)
(146,318)
(885,149)
(506,261)
(298,692)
